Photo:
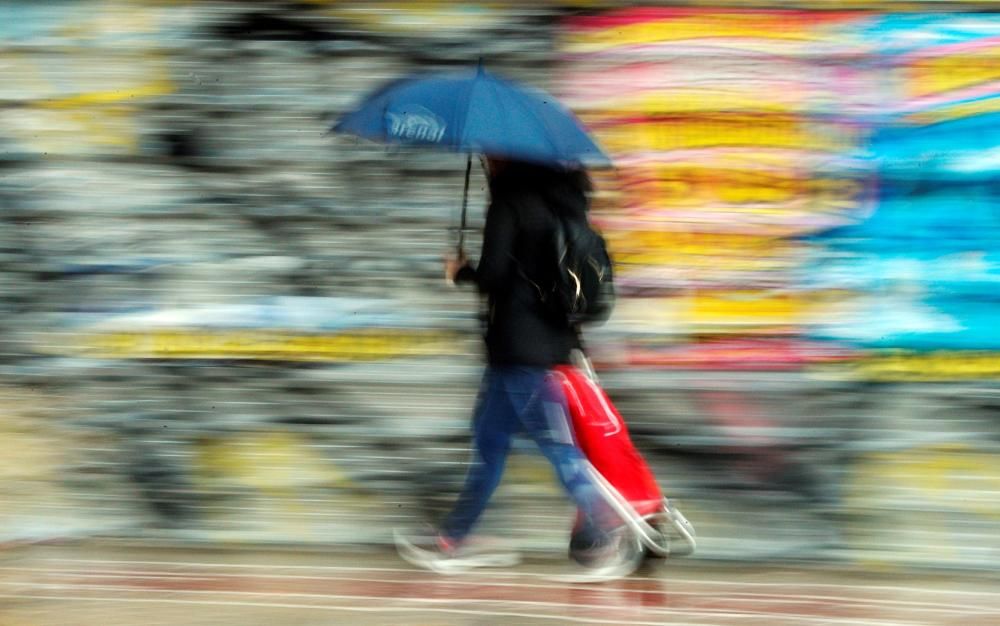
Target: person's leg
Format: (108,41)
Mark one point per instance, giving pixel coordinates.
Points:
(605,548)
(494,423)
(542,412)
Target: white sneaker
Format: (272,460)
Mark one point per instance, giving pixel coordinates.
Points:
(436,554)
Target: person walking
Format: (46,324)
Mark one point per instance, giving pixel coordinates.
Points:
(524,340)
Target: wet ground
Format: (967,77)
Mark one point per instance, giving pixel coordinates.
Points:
(101,584)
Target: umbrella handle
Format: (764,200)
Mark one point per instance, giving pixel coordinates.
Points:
(465,205)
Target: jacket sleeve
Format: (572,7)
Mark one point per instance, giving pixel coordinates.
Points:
(496,263)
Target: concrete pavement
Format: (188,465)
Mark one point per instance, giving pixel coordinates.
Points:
(112,584)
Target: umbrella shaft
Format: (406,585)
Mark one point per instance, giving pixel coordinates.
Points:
(465,205)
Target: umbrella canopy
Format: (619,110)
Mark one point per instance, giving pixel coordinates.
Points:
(476,112)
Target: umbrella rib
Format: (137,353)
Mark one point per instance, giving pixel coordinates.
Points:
(549,135)
(463,138)
(504,113)
(526,112)
(537,113)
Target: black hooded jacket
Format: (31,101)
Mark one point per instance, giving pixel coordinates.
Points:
(517,261)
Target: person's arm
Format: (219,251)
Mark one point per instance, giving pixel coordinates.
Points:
(496,263)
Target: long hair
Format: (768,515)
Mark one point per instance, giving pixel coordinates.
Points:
(570,189)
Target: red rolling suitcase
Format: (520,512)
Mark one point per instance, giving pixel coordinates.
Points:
(617,468)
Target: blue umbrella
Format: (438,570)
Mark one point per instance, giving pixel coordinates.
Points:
(475,111)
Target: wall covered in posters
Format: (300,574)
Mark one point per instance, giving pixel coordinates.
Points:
(802,187)
(218,322)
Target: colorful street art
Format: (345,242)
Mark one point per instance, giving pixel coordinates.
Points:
(843,164)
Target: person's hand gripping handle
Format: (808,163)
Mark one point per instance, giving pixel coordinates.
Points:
(453,263)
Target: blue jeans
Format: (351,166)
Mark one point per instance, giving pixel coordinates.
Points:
(515,399)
